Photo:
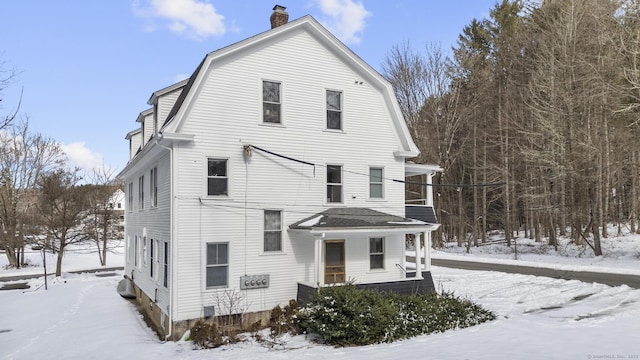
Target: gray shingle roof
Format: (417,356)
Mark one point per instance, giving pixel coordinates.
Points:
(353,218)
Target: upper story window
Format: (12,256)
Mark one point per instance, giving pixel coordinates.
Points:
(376,183)
(271,102)
(334,183)
(217,180)
(130,196)
(153,186)
(272,230)
(141,191)
(334,110)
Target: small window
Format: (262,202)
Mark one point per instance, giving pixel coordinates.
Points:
(272,230)
(136,249)
(217,180)
(144,250)
(165,263)
(153,186)
(334,183)
(141,191)
(217,264)
(334,110)
(375,183)
(151,258)
(271,102)
(130,196)
(376,253)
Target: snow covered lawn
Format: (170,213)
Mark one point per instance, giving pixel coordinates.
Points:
(82,317)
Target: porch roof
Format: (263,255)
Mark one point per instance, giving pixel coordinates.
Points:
(351,219)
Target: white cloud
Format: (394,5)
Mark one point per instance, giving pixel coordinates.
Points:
(84,158)
(191,18)
(344,18)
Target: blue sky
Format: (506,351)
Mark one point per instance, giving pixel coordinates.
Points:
(87,68)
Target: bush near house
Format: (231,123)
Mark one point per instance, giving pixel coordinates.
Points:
(346,315)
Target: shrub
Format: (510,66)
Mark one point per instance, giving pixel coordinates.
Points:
(346,315)
(285,320)
(206,335)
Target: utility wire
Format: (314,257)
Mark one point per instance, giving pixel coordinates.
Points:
(497,184)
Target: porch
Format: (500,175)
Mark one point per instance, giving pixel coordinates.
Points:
(411,285)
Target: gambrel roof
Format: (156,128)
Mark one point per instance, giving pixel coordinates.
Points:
(176,116)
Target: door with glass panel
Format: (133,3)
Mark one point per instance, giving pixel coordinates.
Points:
(334,264)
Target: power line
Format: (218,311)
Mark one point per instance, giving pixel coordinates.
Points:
(497,184)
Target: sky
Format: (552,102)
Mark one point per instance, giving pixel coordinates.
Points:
(86,69)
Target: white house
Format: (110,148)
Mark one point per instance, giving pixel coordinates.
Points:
(275,169)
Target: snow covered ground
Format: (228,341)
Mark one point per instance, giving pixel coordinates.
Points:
(82,317)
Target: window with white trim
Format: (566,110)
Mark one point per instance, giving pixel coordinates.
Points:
(334,183)
(272,230)
(153,186)
(334,110)
(130,197)
(165,265)
(136,250)
(144,250)
(376,189)
(217,179)
(376,253)
(217,264)
(141,191)
(152,258)
(271,102)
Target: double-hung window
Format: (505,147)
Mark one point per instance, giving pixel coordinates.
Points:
(334,183)
(272,230)
(376,253)
(271,102)
(334,110)
(217,264)
(130,196)
(217,180)
(375,183)
(165,264)
(136,254)
(141,191)
(153,186)
(151,258)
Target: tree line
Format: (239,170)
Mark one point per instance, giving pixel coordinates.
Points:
(535,117)
(43,202)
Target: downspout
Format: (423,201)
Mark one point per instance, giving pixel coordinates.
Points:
(172,246)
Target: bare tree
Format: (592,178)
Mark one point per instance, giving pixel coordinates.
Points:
(24,157)
(101,222)
(62,205)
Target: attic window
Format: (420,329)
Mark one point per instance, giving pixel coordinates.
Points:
(334,110)
(271,102)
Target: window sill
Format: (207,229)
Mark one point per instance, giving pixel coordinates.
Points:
(272,253)
(377,199)
(377,271)
(335,131)
(268,124)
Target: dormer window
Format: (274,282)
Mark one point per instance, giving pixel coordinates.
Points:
(271,102)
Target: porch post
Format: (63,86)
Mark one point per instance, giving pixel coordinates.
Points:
(317,251)
(418,254)
(427,251)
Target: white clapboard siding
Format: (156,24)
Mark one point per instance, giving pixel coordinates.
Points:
(155,223)
(225,115)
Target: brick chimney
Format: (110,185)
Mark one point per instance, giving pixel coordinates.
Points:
(279,16)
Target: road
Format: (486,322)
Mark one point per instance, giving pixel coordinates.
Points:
(586,276)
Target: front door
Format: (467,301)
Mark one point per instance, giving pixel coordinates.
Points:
(334,266)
